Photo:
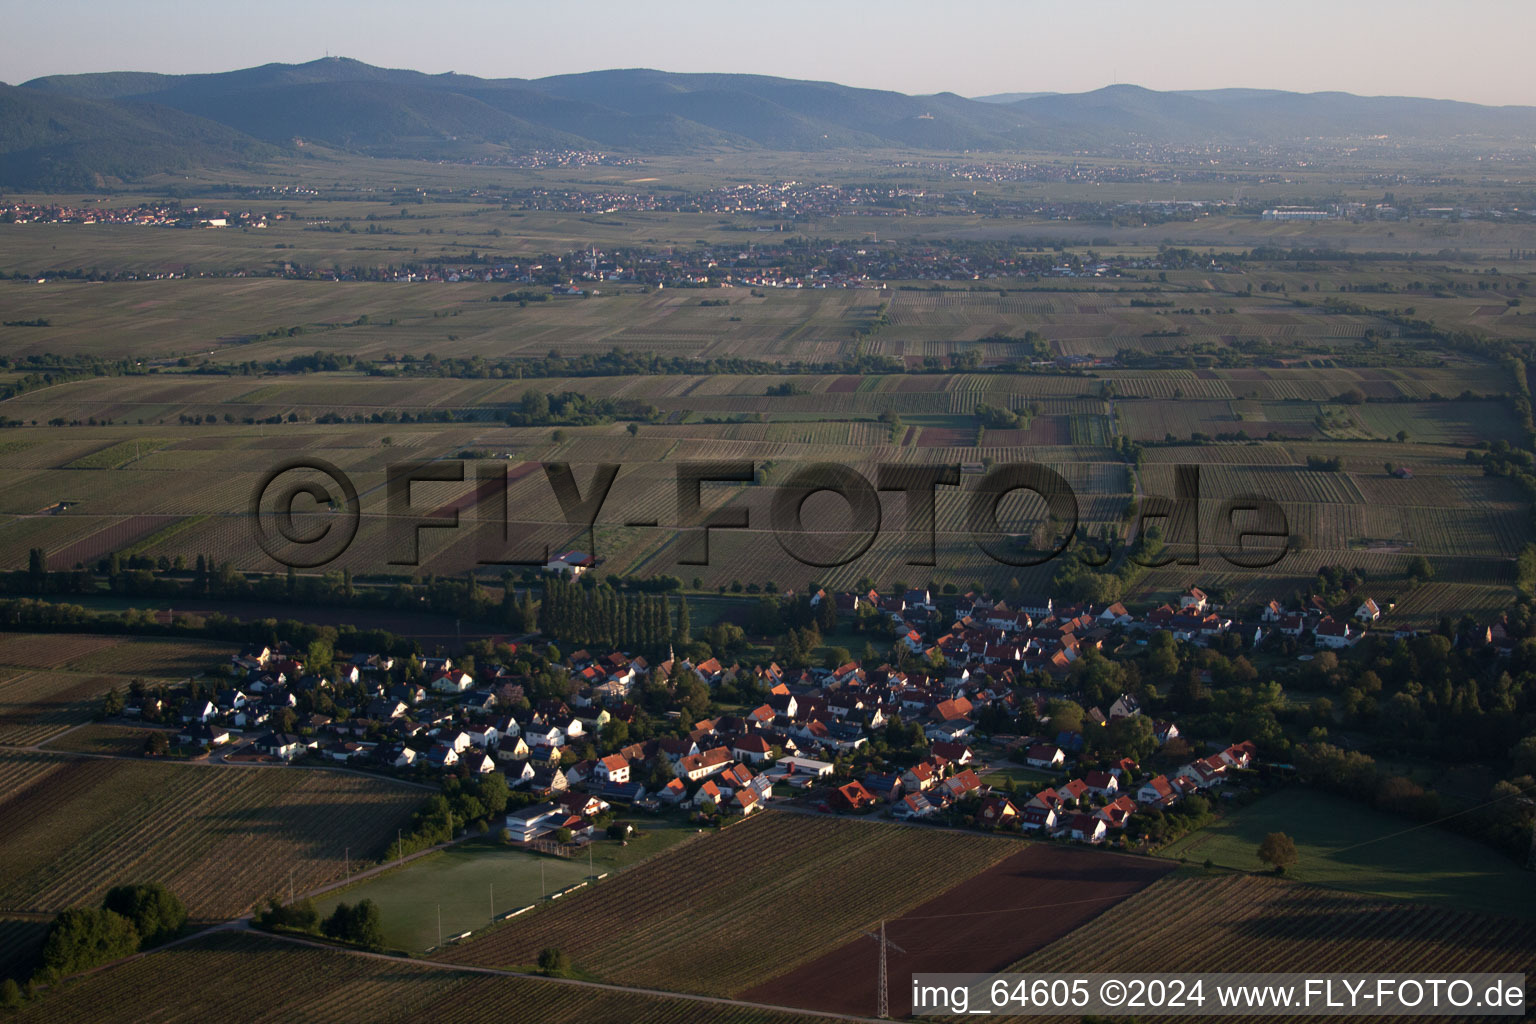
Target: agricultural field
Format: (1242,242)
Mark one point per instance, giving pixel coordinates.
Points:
(646,926)
(52,682)
(102,738)
(984,923)
(1343,845)
(222,838)
(1246,921)
(210,979)
(181,489)
(21,939)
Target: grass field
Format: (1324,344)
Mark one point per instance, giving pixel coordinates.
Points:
(1427,865)
(466,881)
(234,976)
(221,838)
(1232,923)
(733,895)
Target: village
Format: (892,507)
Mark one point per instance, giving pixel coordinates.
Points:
(938,741)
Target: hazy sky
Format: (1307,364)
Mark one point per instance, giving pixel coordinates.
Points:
(1374,47)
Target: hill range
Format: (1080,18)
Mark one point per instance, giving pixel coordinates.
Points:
(75,130)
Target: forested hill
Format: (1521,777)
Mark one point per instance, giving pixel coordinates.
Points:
(81,128)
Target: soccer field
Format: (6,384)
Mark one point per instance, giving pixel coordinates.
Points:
(462,882)
(1331,834)
(465,881)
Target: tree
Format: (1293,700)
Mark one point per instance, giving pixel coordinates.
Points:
(112,703)
(1278,851)
(684,632)
(86,937)
(661,771)
(10,994)
(155,911)
(494,793)
(359,924)
(157,744)
(534,405)
(563,835)
(301,915)
(553,962)
(1133,737)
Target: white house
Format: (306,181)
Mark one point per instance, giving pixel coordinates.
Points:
(612,769)
(1045,755)
(453,682)
(1087,828)
(914,805)
(570,563)
(1332,633)
(1368,612)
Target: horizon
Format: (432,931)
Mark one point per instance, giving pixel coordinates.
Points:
(1026,48)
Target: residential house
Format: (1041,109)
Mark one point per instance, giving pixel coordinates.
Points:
(280,744)
(1157,791)
(1087,828)
(751,748)
(913,806)
(453,681)
(1035,817)
(852,797)
(1102,784)
(611,769)
(1332,633)
(1045,755)
(997,810)
(1117,813)
(570,563)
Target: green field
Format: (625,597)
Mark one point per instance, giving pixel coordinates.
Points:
(464,881)
(1427,865)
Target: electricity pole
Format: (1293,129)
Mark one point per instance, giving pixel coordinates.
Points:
(439,926)
(883,1000)
(399,848)
(493,903)
(346,855)
(290,885)
(885,1009)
